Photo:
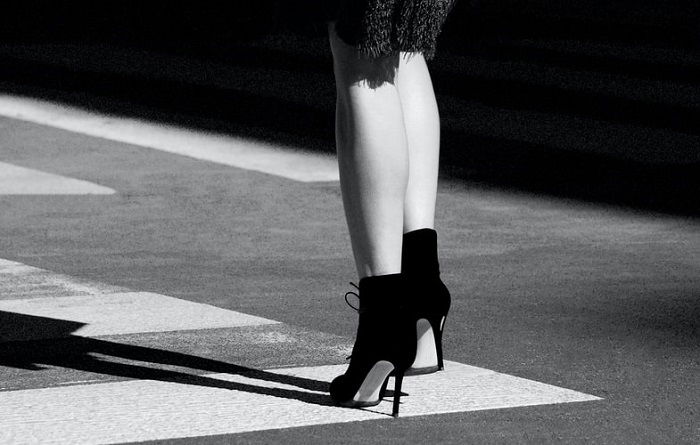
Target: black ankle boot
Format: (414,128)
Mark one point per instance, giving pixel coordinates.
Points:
(385,344)
(429,298)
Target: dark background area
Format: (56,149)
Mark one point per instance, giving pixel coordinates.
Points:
(590,100)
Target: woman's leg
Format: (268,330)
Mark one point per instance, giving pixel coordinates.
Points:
(372,156)
(422,123)
(430,297)
(373,159)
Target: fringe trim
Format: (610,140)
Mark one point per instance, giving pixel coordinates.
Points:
(382,27)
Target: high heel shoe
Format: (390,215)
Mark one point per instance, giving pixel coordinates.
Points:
(429,298)
(385,345)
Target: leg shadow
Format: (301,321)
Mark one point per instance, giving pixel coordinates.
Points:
(29,342)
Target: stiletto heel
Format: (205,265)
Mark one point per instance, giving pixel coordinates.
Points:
(385,344)
(397,394)
(438,343)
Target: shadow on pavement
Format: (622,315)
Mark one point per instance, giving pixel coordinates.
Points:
(119,360)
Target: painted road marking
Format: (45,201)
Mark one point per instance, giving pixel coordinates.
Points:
(74,307)
(226,404)
(16,180)
(123,313)
(248,154)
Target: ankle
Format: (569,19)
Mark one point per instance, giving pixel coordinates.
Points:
(420,254)
(381,289)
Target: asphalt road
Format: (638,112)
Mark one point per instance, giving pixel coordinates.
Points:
(588,297)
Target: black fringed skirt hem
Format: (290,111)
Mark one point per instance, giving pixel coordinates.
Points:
(382,27)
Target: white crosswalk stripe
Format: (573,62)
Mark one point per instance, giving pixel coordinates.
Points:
(248,154)
(100,310)
(128,313)
(152,410)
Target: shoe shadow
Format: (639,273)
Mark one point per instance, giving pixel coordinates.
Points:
(35,343)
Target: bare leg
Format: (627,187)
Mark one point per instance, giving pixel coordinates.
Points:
(372,156)
(422,123)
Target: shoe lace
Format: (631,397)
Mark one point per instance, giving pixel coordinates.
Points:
(356,309)
(355,294)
